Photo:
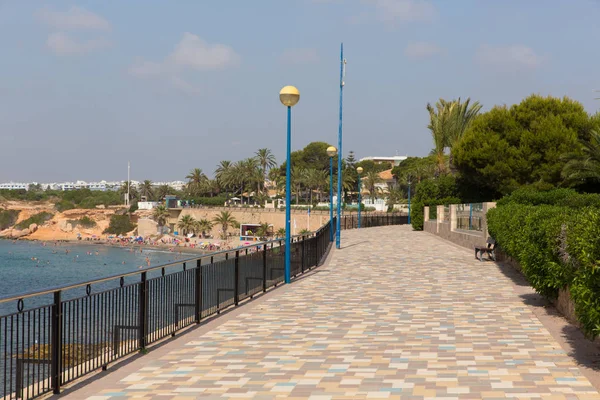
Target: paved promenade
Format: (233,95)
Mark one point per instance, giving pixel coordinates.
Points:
(394,314)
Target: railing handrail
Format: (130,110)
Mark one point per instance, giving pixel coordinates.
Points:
(26,295)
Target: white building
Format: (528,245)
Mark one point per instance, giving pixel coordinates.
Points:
(14,186)
(394,161)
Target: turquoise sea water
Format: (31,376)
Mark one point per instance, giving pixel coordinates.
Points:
(29,266)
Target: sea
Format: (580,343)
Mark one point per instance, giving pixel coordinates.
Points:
(28,266)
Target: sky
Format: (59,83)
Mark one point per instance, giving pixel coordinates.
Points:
(86,86)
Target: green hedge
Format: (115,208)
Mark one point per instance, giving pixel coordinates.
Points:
(556,246)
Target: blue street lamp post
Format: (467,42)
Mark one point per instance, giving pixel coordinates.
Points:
(409,202)
(331,152)
(339,183)
(359,170)
(289,97)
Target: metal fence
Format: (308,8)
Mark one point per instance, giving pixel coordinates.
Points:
(469,217)
(58,335)
(372,220)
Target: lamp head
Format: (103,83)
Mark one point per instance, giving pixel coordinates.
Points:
(289,96)
(331,151)
(359,170)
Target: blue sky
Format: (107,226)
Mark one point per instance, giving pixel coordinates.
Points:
(86,86)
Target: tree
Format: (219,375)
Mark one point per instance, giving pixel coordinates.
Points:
(266,160)
(187,223)
(448,122)
(315,180)
(196,179)
(203,226)
(585,165)
(223,175)
(264,231)
(280,233)
(160,215)
(415,169)
(506,148)
(370,181)
(119,225)
(225,219)
(162,191)
(351,160)
(146,190)
(133,192)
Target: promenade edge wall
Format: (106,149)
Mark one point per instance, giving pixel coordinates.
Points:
(445,227)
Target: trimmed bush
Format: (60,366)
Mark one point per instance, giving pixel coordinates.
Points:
(555,244)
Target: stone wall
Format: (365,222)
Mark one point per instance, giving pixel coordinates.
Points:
(254,216)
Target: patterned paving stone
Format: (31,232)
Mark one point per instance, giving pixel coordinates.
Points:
(395,314)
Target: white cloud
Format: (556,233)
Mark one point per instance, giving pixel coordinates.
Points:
(299,56)
(391,11)
(61,43)
(73,18)
(508,57)
(191,53)
(421,50)
(143,69)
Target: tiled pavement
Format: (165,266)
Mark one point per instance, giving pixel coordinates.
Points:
(395,314)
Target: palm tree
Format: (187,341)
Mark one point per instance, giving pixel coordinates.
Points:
(280,233)
(370,182)
(225,218)
(160,215)
(266,160)
(315,180)
(146,190)
(264,230)
(162,191)
(223,174)
(298,179)
(196,180)
(448,122)
(133,193)
(186,224)
(584,165)
(203,226)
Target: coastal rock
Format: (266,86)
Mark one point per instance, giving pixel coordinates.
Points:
(65,226)
(16,233)
(6,233)
(33,228)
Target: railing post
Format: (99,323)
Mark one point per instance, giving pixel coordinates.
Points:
(143,312)
(236,288)
(56,340)
(198,290)
(303,255)
(264,267)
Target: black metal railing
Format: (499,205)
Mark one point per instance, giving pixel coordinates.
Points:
(372,220)
(67,332)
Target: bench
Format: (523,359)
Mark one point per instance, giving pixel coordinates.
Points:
(489,249)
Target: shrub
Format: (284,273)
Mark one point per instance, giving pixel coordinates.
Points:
(39,219)
(119,225)
(555,244)
(85,222)
(432,192)
(64,205)
(8,218)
